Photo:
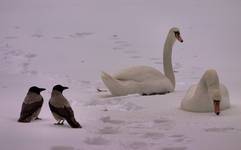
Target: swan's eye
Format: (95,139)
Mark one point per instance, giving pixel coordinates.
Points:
(177,33)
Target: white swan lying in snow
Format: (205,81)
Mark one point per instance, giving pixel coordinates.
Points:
(206,96)
(143,79)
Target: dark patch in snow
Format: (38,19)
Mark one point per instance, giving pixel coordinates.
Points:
(109,120)
(135,57)
(138,145)
(58,37)
(220,130)
(130,52)
(62,148)
(174,148)
(109,130)
(96,141)
(153,135)
(10,37)
(37,35)
(81,34)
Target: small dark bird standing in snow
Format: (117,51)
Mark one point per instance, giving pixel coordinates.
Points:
(31,105)
(61,108)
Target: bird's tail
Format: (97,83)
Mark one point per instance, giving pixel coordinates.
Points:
(23,120)
(113,85)
(73,123)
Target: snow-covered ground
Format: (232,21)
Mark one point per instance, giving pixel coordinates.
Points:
(70,42)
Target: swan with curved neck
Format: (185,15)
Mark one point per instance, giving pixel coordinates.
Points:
(143,79)
(209,95)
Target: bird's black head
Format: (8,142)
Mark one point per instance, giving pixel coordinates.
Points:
(36,89)
(59,88)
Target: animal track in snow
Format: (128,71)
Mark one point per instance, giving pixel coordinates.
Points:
(25,65)
(10,37)
(81,34)
(178,138)
(62,148)
(135,57)
(220,130)
(109,130)
(153,135)
(37,35)
(137,145)
(96,141)
(107,119)
(119,44)
(58,37)
(130,52)
(174,148)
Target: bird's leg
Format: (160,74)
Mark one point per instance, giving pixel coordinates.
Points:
(59,122)
(62,123)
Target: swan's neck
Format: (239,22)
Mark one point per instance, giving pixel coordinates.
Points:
(167,59)
(209,83)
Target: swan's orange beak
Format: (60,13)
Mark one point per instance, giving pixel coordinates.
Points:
(178,36)
(216,104)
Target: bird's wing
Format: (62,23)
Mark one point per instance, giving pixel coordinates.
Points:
(65,112)
(29,109)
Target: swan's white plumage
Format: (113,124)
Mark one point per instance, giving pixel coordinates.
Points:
(144,79)
(140,74)
(199,97)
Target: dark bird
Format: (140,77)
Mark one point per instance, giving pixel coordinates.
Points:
(31,105)
(61,108)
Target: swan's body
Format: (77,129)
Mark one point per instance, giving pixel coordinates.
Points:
(201,97)
(143,79)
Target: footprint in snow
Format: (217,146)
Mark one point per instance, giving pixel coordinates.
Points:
(164,123)
(119,44)
(178,138)
(58,37)
(81,34)
(137,145)
(10,37)
(30,55)
(109,130)
(96,141)
(174,148)
(37,35)
(107,119)
(135,57)
(130,52)
(153,135)
(62,148)
(220,130)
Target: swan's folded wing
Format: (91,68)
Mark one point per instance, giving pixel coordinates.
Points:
(29,109)
(139,74)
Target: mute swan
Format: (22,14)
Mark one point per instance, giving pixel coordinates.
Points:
(143,79)
(206,96)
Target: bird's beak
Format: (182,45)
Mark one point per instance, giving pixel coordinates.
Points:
(178,36)
(65,87)
(216,105)
(42,89)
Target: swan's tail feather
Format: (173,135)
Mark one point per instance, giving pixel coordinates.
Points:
(113,85)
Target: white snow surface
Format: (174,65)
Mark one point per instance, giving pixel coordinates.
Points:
(70,42)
